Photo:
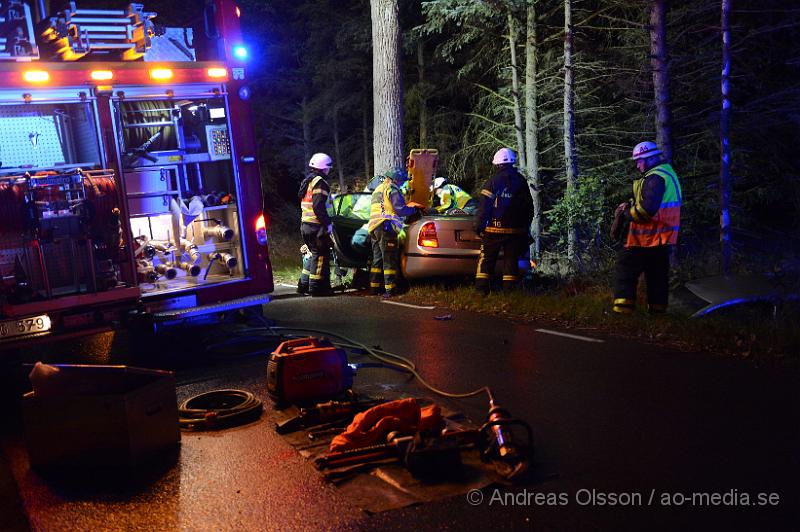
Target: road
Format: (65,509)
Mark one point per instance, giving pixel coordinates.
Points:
(678,440)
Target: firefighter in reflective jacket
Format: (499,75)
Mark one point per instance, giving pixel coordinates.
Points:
(315,227)
(503,220)
(654,217)
(452,197)
(387,210)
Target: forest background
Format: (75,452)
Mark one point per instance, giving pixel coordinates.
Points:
(467,83)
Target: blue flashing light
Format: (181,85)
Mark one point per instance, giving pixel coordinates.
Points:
(239,52)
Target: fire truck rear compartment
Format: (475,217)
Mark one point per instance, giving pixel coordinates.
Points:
(181,192)
(59,234)
(63,234)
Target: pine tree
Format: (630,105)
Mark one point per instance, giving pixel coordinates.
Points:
(532,129)
(387,87)
(570,159)
(660,66)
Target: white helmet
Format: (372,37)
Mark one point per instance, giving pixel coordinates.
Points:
(645,149)
(504,156)
(439,182)
(321,161)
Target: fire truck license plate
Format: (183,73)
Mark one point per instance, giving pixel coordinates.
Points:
(34,324)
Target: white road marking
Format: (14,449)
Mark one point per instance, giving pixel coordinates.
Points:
(573,336)
(287,285)
(423,307)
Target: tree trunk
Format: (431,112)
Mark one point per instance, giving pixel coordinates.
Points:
(306,114)
(387,87)
(532,131)
(337,151)
(423,97)
(658,62)
(570,160)
(725,184)
(518,129)
(365,130)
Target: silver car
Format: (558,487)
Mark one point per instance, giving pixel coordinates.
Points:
(431,245)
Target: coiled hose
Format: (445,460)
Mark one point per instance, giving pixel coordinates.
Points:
(219,409)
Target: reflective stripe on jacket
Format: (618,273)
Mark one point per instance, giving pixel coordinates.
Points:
(381,207)
(663,227)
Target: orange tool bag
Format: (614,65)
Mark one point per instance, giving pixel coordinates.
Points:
(307,369)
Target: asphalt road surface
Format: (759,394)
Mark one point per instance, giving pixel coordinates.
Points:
(629,436)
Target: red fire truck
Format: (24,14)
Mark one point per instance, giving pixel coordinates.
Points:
(129,185)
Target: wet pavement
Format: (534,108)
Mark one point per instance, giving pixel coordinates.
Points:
(614,421)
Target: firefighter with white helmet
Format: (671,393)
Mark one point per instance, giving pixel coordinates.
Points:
(504,156)
(504,214)
(653,219)
(316,227)
(452,197)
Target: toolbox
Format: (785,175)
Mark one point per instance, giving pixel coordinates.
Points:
(307,369)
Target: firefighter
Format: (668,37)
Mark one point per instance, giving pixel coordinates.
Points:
(315,227)
(452,197)
(503,219)
(387,209)
(654,218)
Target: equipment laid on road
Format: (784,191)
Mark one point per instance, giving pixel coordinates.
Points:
(219,409)
(499,442)
(373,426)
(501,445)
(428,452)
(307,369)
(325,414)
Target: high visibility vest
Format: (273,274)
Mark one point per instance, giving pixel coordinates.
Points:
(381,208)
(662,228)
(453,198)
(307,214)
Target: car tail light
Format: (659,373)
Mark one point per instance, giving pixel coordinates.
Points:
(261,229)
(427,236)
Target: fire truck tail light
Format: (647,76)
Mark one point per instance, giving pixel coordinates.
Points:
(427,236)
(217,73)
(161,73)
(36,76)
(101,75)
(261,229)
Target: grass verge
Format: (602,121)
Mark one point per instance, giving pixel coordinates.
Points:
(284,255)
